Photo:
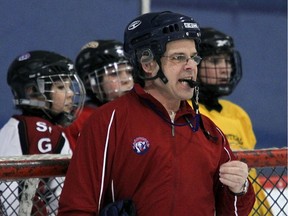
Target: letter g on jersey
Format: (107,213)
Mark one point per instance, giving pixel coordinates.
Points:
(140,145)
(44,145)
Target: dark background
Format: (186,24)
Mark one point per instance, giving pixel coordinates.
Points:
(259,29)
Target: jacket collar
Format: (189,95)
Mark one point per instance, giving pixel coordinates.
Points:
(153,103)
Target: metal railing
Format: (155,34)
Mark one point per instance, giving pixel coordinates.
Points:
(31,184)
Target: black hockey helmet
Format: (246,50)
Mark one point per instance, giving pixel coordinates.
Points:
(31,76)
(147,35)
(94,60)
(214,43)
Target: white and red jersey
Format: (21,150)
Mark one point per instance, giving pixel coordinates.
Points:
(26,135)
(131,145)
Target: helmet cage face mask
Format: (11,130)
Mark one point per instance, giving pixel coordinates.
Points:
(68,84)
(32,88)
(113,70)
(220,83)
(93,60)
(217,44)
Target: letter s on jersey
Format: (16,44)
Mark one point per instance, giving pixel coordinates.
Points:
(44,145)
(42,127)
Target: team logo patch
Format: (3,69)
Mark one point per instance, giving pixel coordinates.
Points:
(140,145)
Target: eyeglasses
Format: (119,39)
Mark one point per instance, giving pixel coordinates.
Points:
(180,58)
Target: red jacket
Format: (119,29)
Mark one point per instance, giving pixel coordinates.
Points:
(165,169)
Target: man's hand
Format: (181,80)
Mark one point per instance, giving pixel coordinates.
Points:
(234,174)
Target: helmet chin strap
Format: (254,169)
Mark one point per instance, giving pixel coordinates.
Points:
(147,56)
(160,73)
